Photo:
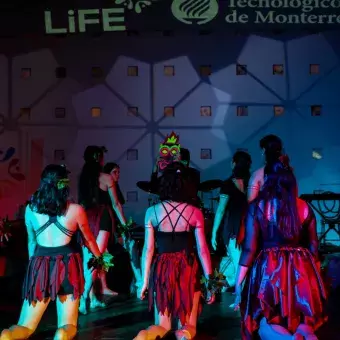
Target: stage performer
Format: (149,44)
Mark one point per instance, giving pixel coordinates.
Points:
(283,293)
(55,267)
(231,210)
(129,244)
(98,195)
(272,149)
(169,151)
(172,278)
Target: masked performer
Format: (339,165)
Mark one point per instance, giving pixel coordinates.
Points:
(172,278)
(55,267)
(171,151)
(129,244)
(232,208)
(283,293)
(98,195)
(271,147)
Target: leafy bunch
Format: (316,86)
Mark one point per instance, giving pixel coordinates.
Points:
(214,283)
(103,262)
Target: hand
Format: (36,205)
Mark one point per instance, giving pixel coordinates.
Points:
(214,241)
(211,297)
(141,292)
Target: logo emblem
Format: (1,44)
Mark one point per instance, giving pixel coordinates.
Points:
(194,11)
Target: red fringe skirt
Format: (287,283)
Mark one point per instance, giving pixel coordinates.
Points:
(285,287)
(174,279)
(53,271)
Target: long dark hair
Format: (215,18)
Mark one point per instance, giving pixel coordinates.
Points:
(273,148)
(88,184)
(280,185)
(172,184)
(52,196)
(242,161)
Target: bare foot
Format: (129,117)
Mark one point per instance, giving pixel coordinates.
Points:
(107,291)
(94,304)
(82,306)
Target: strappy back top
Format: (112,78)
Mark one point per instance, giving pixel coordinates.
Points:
(175,241)
(53,220)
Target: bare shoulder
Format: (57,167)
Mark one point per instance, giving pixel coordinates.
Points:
(75,209)
(197,211)
(150,211)
(303,208)
(195,214)
(28,209)
(106,179)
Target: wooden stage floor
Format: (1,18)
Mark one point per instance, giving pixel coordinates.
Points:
(124,318)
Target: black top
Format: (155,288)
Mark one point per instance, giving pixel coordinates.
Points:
(103,197)
(235,210)
(262,234)
(175,241)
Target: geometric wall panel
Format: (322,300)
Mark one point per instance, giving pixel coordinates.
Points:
(278,69)
(241,70)
(316,110)
(169,111)
(60,112)
(205,111)
(278,110)
(132,196)
(132,71)
(25,73)
(96,112)
(169,71)
(59,155)
(314,69)
(132,155)
(206,154)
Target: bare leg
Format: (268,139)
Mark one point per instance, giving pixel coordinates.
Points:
(188,331)
(226,268)
(105,289)
(90,277)
(131,247)
(234,253)
(30,317)
(67,311)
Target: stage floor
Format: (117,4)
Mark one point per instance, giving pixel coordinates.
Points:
(123,319)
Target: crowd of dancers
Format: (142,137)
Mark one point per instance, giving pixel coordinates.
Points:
(268,232)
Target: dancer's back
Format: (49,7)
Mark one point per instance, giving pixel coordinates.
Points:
(54,231)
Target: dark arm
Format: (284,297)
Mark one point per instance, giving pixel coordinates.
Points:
(250,243)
